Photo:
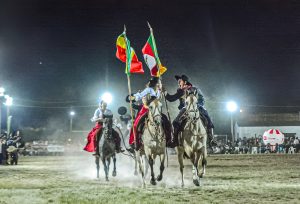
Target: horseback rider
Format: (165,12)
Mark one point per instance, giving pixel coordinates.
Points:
(150,93)
(102,117)
(185,85)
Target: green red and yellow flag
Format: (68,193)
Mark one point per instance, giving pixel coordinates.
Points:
(126,54)
(151,57)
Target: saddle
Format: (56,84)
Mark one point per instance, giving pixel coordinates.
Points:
(183,121)
(167,126)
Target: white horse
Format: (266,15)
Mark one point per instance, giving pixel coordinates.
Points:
(193,140)
(154,143)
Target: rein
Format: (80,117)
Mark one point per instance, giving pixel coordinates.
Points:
(156,126)
(130,154)
(193,110)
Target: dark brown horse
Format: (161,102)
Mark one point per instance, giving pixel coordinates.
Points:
(107,149)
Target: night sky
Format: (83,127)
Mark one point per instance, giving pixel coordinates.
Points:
(59,53)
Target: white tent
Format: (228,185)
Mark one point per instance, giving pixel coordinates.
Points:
(273,136)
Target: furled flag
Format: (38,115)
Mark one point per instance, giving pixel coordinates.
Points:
(133,65)
(151,57)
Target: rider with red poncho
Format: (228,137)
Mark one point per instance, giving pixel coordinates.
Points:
(102,116)
(151,92)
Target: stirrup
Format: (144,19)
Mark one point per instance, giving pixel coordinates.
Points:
(120,150)
(131,150)
(96,154)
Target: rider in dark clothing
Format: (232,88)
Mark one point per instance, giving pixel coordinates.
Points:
(185,85)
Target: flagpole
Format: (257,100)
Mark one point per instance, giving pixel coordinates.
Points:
(166,104)
(129,90)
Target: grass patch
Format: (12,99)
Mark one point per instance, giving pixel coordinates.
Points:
(229,179)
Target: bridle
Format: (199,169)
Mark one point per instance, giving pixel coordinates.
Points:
(107,131)
(154,113)
(192,108)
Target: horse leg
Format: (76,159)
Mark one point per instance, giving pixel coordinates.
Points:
(162,167)
(97,166)
(105,168)
(180,152)
(151,163)
(139,161)
(203,163)
(196,161)
(135,166)
(108,164)
(114,173)
(146,165)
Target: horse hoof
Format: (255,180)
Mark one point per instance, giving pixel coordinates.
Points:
(196,182)
(114,173)
(135,173)
(159,178)
(201,175)
(106,179)
(153,182)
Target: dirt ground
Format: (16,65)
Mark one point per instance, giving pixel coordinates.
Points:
(272,178)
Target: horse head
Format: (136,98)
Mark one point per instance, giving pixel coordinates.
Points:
(191,100)
(155,110)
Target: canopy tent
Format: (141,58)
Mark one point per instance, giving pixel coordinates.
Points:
(273,136)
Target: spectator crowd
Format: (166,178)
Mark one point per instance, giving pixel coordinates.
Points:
(255,145)
(9,145)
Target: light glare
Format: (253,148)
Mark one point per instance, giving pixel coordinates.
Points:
(107,97)
(231,106)
(9,100)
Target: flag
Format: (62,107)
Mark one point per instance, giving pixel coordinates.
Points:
(151,57)
(133,65)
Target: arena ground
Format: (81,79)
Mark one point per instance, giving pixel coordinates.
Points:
(272,178)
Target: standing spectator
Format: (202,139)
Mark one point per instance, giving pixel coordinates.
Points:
(3,151)
(0,150)
(276,148)
(296,144)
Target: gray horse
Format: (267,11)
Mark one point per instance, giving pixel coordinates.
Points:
(193,140)
(107,149)
(154,142)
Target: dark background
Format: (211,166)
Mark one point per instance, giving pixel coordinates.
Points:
(58,54)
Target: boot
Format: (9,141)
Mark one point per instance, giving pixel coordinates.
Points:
(96,154)
(212,142)
(119,150)
(98,137)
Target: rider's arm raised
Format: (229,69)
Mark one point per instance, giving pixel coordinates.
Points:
(176,96)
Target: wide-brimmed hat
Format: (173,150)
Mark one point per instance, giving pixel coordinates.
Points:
(183,78)
(122,110)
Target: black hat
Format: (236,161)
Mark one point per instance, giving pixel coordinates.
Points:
(183,77)
(122,110)
(153,81)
